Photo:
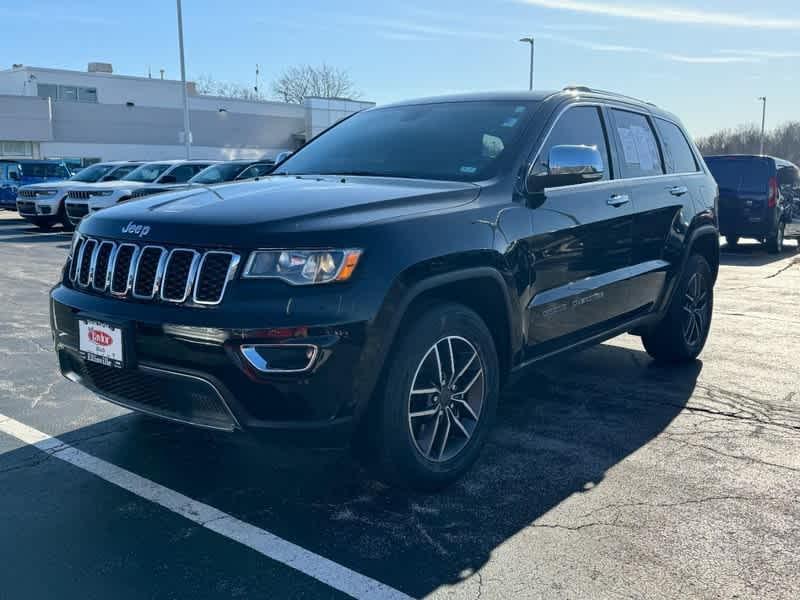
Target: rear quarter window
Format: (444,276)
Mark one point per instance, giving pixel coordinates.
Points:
(638,148)
(678,155)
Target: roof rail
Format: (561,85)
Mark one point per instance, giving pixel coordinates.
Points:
(587,89)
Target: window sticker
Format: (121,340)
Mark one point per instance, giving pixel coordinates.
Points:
(468,170)
(643,149)
(520,109)
(628,145)
(510,122)
(492,146)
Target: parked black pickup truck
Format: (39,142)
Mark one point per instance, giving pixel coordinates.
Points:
(383,285)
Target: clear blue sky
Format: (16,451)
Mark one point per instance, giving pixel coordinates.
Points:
(708,64)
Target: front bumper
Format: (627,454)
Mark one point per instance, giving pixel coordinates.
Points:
(38,207)
(180,370)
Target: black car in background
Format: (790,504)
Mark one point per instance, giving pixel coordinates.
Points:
(759,197)
(217,173)
(394,273)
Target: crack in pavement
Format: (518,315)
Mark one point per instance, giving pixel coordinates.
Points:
(727,455)
(794,262)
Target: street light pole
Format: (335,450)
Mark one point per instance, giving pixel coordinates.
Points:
(763,120)
(187,134)
(530,40)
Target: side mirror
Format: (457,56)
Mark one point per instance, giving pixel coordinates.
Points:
(567,165)
(168,179)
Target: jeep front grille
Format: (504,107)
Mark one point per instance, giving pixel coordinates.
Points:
(79,194)
(151,273)
(26,194)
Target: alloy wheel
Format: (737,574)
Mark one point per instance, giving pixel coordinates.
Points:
(695,307)
(446,399)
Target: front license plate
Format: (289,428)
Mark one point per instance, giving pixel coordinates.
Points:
(101,343)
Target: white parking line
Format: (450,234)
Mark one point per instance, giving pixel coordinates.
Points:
(263,542)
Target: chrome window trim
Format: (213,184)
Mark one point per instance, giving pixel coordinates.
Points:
(232,268)
(129,275)
(190,279)
(620,106)
(159,270)
(254,359)
(94,264)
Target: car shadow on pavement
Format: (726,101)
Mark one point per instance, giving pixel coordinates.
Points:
(558,432)
(754,254)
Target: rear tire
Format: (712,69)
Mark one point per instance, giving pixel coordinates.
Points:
(732,240)
(438,400)
(774,242)
(682,333)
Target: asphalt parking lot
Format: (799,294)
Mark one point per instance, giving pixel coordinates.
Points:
(606,476)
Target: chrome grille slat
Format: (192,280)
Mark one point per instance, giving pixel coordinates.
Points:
(85,262)
(151,272)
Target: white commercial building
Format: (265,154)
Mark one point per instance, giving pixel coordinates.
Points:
(98,115)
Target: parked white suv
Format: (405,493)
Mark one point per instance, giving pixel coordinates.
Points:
(43,203)
(90,198)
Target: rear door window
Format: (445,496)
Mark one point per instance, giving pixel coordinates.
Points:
(638,148)
(678,155)
(737,174)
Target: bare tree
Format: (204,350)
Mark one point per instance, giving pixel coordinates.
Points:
(783,141)
(207,85)
(299,82)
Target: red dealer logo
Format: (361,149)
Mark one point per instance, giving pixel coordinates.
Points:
(101,338)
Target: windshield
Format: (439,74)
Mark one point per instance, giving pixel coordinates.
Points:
(456,141)
(147,173)
(92,173)
(740,173)
(218,173)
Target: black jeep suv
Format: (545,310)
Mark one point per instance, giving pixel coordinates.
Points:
(394,273)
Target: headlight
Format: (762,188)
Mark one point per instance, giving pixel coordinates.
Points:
(46,192)
(303,267)
(103,193)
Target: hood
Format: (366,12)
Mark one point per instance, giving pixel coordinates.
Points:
(109,185)
(52,185)
(258,212)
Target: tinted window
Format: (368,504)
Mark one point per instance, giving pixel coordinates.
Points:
(120,172)
(182,173)
(458,141)
(740,173)
(638,149)
(579,126)
(219,173)
(147,173)
(92,174)
(256,171)
(678,154)
(44,170)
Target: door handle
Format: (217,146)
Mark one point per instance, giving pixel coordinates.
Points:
(618,200)
(678,190)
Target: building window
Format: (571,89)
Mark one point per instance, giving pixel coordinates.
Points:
(16,149)
(67,93)
(87,94)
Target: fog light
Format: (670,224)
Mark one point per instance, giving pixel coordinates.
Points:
(280,358)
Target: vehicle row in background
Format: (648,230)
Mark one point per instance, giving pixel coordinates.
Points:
(51,196)
(759,197)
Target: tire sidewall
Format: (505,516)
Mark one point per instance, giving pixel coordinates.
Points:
(400,455)
(696,264)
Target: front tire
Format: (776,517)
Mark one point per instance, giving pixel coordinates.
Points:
(438,400)
(682,333)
